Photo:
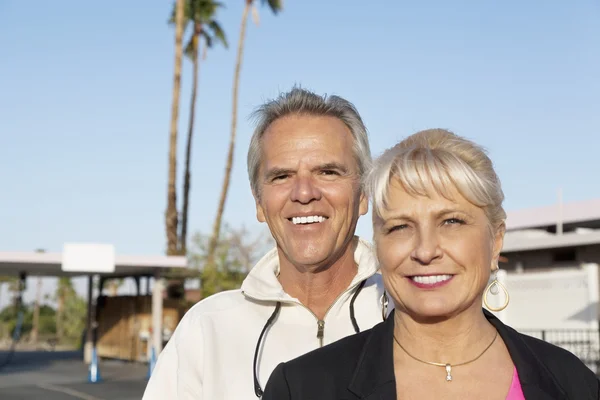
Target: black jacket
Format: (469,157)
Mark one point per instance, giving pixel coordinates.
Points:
(361,367)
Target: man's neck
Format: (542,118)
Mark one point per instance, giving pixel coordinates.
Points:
(449,341)
(317,287)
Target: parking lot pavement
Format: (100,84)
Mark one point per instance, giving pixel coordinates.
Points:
(63,375)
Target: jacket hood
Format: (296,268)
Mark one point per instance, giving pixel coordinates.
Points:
(262,283)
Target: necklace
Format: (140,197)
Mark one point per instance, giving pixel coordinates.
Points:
(448,366)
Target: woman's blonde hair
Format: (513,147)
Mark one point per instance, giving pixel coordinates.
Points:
(439,160)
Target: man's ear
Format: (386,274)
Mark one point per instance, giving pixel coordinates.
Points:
(363,207)
(260,213)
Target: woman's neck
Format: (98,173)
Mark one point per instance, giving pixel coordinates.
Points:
(451,340)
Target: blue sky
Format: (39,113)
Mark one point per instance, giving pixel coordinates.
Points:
(86,91)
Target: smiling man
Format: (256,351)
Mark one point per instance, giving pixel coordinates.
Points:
(306,162)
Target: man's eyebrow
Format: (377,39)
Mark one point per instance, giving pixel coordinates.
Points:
(274,172)
(332,165)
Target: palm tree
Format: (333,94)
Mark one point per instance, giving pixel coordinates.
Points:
(201,14)
(171,217)
(35,325)
(63,289)
(275,6)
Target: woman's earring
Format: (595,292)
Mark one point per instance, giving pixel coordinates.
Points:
(384,305)
(494,288)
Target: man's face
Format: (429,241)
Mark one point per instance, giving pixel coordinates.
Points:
(309,184)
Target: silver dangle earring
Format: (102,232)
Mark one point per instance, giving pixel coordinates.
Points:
(494,288)
(384,305)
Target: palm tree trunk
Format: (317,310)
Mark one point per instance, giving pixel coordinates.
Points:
(229,163)
(61,296)
(36,312)
(171,216)
(188,151)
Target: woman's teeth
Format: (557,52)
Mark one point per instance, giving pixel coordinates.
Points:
(430,279)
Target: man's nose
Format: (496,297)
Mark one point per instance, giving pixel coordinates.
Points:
(305,189)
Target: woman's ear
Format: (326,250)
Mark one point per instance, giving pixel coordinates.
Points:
(497,244)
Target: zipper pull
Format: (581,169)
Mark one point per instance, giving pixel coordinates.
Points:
(320,331)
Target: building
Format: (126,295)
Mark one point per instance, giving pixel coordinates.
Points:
(551,257)
(90,257)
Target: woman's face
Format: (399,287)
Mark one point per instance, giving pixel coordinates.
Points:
(436,254)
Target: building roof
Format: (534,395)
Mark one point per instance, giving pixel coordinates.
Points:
(530,241)
(541,217)
(49,264)
(536,228)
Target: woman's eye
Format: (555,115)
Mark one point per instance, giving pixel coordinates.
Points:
(397,228)
(454,221)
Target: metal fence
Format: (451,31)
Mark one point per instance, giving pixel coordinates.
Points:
(584,343)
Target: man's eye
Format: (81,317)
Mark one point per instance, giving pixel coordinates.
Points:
(280,177)
(329,172)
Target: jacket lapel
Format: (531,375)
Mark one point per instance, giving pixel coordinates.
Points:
(374,376)
(536,381)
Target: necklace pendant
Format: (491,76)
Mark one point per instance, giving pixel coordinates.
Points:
(448,373)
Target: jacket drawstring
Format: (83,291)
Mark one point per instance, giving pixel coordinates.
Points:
(352,317)
(257,389)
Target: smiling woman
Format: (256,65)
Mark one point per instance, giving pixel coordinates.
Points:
(438,226)
(438,222)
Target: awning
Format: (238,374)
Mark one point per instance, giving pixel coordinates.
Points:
(49,264)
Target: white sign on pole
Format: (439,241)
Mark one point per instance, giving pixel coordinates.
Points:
(88,257)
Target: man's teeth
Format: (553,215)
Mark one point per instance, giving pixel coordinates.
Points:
(308,220)
(431,279)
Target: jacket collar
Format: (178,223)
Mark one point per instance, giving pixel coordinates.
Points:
(262,283)
(536,381)
(374,376)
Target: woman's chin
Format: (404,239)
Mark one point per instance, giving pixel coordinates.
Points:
(431,312)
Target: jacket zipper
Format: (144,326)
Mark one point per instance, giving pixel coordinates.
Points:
(320,323)
(320,331)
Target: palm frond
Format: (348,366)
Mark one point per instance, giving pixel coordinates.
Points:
(186,19)
(208,39)
(171,20)
(218,33)
(189,49)
(218,4)
(275,5)
(203,10)
(202,13)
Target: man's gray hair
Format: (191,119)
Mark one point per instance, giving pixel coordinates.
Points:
(300,101)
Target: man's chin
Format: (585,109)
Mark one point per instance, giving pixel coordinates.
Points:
(308,258)
(311,261)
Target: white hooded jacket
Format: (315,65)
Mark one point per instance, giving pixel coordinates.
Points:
(211,354)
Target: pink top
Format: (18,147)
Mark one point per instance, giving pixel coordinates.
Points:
(515,392)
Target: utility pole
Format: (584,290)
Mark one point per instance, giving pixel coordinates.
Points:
(559,222)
